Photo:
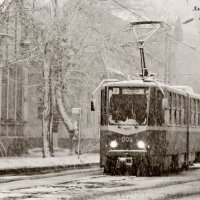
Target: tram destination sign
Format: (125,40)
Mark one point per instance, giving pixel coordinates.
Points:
(133,91)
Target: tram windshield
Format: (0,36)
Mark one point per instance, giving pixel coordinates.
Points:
(128,106)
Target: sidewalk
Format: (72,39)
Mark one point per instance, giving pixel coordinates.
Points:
(34,163)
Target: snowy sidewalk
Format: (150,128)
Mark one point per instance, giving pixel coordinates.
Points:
(35,163)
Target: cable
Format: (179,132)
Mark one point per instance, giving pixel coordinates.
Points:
(193,48)
(129,10)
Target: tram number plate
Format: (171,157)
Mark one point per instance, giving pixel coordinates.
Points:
(127,139)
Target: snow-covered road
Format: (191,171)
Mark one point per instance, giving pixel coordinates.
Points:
(94,185)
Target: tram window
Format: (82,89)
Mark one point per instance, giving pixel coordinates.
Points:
(182,110)
(180,117)
(128,106)
(190,120)
(160,113)
(173,109)
(152,108)
(192,112)
(174,100)
(184,115)
(196,112)
(103,107)
(167,111)
(192,109)
(177,110)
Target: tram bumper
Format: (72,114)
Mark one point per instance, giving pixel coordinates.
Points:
(124,160)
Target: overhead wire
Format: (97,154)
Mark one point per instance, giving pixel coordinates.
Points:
(193,48)
(129,10)
(170,36)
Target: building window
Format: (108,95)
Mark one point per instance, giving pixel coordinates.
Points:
(170,108)
(40,108)
(178,116)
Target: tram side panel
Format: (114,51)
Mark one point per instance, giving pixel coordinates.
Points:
(194,144)
(176,129)
(182,116)
(176,139)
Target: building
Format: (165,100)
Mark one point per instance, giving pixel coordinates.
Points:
(13,103)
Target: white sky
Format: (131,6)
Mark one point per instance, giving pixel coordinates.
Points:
(164,10)
(169,8)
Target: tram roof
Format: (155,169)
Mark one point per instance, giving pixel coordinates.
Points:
(131,83)
(184,90)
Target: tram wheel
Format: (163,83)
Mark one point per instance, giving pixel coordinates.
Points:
(142,169)
(106,170)
(110,167)
(157,171)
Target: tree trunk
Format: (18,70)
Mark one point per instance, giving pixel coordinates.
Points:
(46,120)
(66,120)
(51,114)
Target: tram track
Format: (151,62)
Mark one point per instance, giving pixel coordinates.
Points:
(47,178)
(90,183)
(179,196)
(136,189)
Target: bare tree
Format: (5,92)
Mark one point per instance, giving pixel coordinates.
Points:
(78,45)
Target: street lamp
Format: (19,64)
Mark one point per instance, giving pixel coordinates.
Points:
(188,20)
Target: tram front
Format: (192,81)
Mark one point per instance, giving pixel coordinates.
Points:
(124,118)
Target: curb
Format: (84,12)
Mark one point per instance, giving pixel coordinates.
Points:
(46,169)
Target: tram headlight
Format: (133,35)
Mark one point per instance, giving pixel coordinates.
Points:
(141,144)
(113,144)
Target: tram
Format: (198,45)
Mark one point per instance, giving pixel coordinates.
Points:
(148,127)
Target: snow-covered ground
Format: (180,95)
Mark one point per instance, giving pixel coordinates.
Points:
(185,185)
(34,159)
